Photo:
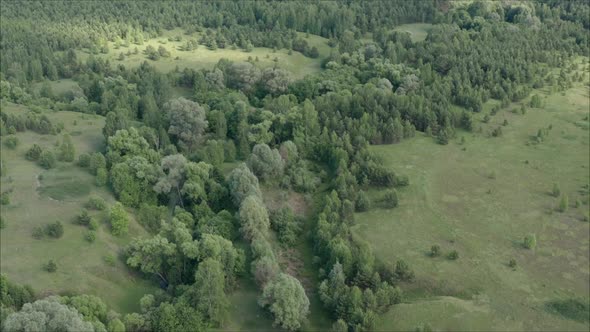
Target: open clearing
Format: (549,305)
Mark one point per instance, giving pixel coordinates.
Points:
(482,201)
(418,31)
(42,196)
(202,57)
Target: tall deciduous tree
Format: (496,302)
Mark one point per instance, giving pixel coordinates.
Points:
(187,121)
(285,298)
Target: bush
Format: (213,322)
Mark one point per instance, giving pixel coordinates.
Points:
(101,177)
(83,218)
(512,263)
(34,153)
(453,255)
(96,203)
(530,241)
(93,225)
(51,266)
(390,198)
(47,159)
(11,142)
(563,203)
(90,236)
(556,191)
(38,233)
(403,271)
(55,230)
(286,225)
(84,160)
(435,250)
(363,203)
(5,198)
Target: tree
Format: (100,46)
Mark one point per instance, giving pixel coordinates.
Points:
(51,266)
(55,230)
(67,150)
(435,250)
(453,255)
(266,163)
(253,217)
(285,298)
(47,159)
(47,315)
(275,80)
(11,142)
(178,317)
(208,294)
(118,219)
(242,183)
(363,202)
(187,121)
(242,76)
(151,255)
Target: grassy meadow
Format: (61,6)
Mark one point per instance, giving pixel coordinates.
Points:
(202,57)
(417,31)
(42,196)
(481,198)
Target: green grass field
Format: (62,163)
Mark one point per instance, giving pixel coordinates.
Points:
(418,31)
(202,57)
(481,198)
(42,196)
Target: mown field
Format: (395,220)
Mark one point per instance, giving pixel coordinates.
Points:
(481,198)
(202,57)
(42,196)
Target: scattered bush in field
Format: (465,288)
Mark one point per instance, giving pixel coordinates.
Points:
(93,225)
(96,203)
(5,198)
(101,177)
(435,250)
(512,263)
(403,271)
(47,159)
(84,160)
(38,233)
(11,142)
(453,255)
(119,219)
(363,203)
(83,218)
(563,203)
(55,230)
(530,241)
(34,153)
(90,236)
(556,191)
(390,198)
(51,266)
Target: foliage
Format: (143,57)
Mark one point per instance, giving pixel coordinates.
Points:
(47,159)
(530,241)
(118,219)
(286,300)
(47,315)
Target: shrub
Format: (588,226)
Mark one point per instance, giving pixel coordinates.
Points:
(11,142)
(84,160)
(512,263)
(563,203)
(390,198)
(93,225)
(34,153)
(453,255)
(55,230)
(47,159)
(556,191)
(38,233)
(119,219)
(363,203)
(96,203)
(51,266)
(90,236)
(402,271)
(83,218)
(5,198)
(2,223)
(530,241)
(435,250)
(101,177)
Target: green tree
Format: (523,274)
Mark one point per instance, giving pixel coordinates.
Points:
(34,153)
(242,183)
(253,217)
(118,219)
(187,122)
(208,294)
(47,315)
(556,191)
(390,199)
(266,163)
(285,298)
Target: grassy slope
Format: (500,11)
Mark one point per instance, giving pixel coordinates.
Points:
(202,57)
(81,265)
(454,202)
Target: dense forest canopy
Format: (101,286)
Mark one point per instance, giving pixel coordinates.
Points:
(164,155)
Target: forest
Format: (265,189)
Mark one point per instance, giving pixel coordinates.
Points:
(187,190)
